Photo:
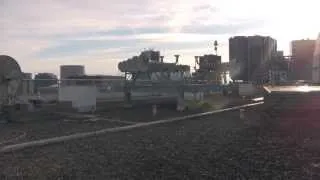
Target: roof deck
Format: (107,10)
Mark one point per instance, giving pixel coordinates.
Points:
(292,89)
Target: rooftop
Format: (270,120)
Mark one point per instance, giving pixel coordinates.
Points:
(300,88)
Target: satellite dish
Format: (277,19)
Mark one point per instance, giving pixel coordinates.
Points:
(10,79)
(9,68)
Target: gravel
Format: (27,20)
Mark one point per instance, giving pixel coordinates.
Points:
(216,147)
(34,130)
(46,124)
(59,124)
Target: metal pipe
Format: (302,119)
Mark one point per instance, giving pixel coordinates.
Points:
(196,58)
(161,59)
(177,58)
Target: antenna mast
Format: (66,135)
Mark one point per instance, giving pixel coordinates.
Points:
(216,47)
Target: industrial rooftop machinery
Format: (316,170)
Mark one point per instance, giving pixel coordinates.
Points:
(150,62)
(209,68)
(149,69)
(10,80)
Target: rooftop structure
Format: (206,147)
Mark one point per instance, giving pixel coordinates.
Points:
(210,67)
(10,80)
(150,61)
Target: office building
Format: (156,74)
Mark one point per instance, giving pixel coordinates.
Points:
(238,55)
(249,55)
(278,68)
(316,62)
(302,52)
(67,71)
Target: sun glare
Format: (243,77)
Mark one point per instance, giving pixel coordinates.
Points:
(304,88)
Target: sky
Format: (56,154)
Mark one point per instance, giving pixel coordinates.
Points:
(42,35)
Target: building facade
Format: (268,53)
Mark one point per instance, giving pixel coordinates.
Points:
(103,83)
(302,52)
(316,62)
(44,80)
(67,71)
(249,56)
(278,69)
(238,57)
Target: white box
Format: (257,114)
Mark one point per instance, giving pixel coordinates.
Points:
(83,98)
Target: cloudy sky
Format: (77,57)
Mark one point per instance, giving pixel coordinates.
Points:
(41,35)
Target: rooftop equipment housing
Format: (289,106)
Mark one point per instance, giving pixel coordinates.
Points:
(10,80)
(150,61)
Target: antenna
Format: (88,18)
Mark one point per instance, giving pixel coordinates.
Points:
(216,47)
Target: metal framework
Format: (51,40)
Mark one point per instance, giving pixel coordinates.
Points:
(140,69)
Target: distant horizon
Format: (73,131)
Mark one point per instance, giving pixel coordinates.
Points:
(191,65)
(288,53)
(99,34)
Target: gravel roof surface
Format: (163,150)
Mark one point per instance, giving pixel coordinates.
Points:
(46,124)
(215,147)
(39,127)
(34,130)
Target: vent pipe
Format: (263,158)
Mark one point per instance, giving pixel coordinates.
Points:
(161,59)
(196,58)
(196,62)
(177,58)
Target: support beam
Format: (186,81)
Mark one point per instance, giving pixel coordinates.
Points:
(180,99)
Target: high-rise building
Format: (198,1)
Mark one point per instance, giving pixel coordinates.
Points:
(302,52)
(248,56)
(238,57)
(278,68)
(316,62)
